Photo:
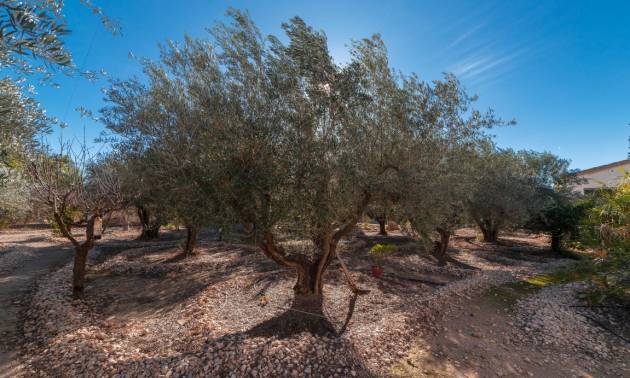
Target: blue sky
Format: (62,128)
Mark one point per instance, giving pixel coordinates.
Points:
(561,68)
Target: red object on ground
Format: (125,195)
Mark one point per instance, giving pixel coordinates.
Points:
(377,271)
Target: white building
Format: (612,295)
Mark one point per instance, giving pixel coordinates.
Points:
(604,176)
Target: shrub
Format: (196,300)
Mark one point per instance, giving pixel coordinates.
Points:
(379,250)
(607,230)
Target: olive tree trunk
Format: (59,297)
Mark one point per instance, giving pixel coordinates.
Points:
(192,233)
(556,242)
(307,292)
(150,230)
(489,230)
(79,268)
(441,246)
(382,222)
(81,251)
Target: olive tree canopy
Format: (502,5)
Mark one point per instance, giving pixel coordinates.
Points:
(278,137)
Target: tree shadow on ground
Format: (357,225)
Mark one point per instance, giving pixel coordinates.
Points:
(226,355)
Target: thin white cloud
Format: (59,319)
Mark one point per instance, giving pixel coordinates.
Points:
(465,36)
(462,68)
(484,69)
(490,63)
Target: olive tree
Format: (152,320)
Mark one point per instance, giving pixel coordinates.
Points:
(559,212)
(65,180)
(279,138)
(436,207)
(504,192)
(286,141)
(439,187)
(308,144)
(22,121)
(163,127)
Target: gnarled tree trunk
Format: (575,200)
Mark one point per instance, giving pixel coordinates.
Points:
(150,230)
(489,230)
(441,246)
(308,289)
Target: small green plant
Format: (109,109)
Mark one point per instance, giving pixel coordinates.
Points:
(171,226)
(379,250)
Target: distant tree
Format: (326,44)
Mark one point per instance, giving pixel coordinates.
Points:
(14,198)
(504,192)
(558,210)
(22,121)
(560,217)
(440,188)
(380,210)
(434,217)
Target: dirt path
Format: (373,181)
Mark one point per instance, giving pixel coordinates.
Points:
(25,256)
(484,338)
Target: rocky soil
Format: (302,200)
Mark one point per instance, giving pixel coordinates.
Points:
(556,320)
(221,313)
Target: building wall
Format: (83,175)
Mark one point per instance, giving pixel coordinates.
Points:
(608,177)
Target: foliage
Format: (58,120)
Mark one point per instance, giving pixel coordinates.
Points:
(34,31)
(278,137)
(510,187)
(607,230)
(22,121)
(14,198)
(379,250)
(560,211)
(31,43)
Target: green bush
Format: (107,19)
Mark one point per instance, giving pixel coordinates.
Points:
(379,249)
(606,229)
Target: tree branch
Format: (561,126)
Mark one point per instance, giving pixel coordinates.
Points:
(275,252)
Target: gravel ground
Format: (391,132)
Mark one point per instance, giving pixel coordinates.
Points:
(552,319)
(148,313)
